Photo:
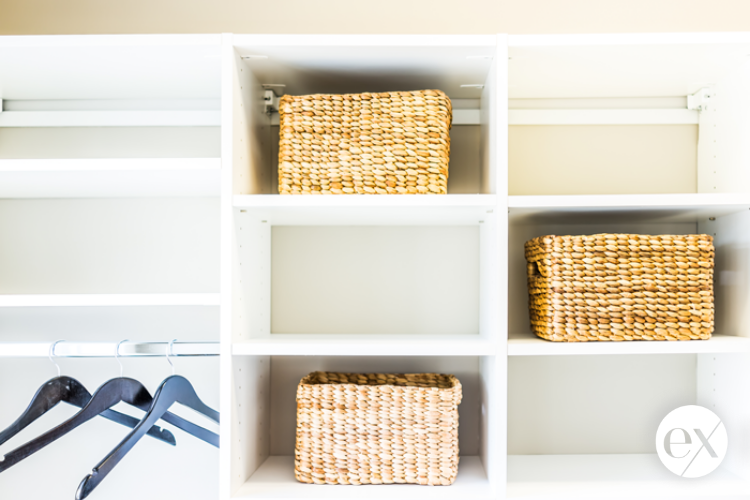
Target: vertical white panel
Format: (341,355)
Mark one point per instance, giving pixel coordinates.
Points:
(252,315)
(491,268)
(723,151)
(252,128)
(227,258)
(731,271)
(495,371)
(492,107)
(250,417)
(722,385)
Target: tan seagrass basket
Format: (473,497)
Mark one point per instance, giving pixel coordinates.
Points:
(621,287)
(374,428)
(386,143)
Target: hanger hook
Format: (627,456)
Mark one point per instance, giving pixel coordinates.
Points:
(117,354)
(51,354)
(170,352)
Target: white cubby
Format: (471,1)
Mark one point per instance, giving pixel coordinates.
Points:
(466,68)
(264,414)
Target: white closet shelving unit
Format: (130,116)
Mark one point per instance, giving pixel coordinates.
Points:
(138,201)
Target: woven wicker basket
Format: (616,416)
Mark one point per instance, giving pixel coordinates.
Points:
(387,143)
(621,287)
(377,429)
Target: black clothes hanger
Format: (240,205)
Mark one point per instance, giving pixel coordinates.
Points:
(109,394)
(71,391)
(174,389)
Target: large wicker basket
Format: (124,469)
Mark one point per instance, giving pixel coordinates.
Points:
(387,143)
(621,287)
(377,428)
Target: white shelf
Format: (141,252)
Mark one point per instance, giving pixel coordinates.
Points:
(367,209)
(530,345)
(556,477)
(111,177)
(115,300)
(569,209)
(275,480)
(369,345)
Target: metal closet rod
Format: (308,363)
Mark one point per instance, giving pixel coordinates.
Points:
(127,349)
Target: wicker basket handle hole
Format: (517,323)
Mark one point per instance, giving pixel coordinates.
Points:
(532,268)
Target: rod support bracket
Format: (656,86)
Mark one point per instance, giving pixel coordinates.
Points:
(270,101)
(701,99)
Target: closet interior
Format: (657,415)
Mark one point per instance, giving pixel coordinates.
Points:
(139,203)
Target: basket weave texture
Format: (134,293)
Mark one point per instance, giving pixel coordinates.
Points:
(385,143)
(621,287)
(377,428)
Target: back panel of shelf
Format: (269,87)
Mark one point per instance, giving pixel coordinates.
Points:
(91,246)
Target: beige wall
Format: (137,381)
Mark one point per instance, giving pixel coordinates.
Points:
(378,16)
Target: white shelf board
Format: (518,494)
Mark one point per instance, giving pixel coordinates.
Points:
(530,345)
(572,209)
(366,345)
(103,300)
(275,480)
(367,209)
(109,177)
(644,477)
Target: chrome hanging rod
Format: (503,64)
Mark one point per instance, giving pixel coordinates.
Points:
(128,349)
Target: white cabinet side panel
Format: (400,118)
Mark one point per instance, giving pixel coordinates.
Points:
(251,396)
(723,381)
(723,151)
(731,271)
(252,129)
(252,300)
